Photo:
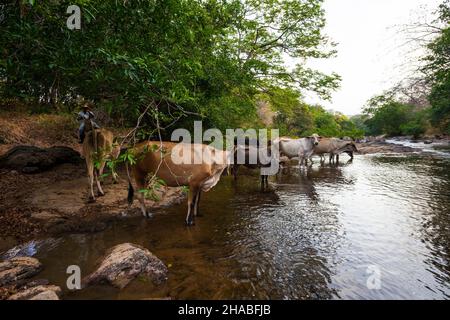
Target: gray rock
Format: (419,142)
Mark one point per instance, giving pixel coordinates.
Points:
(31,159)
(125,262)
(30,248)
(42,292)
(18,269)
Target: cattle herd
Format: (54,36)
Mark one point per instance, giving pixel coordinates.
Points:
(177,164)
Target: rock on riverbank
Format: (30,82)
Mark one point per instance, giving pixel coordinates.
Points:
(383,147)
(123,263)
(31,159)
(15,283)
(18,269)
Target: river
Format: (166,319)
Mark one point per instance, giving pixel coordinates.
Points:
(376,228)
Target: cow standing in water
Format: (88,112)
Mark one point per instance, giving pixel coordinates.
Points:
(253,155)
(334,147)
(176,164)
(302,148)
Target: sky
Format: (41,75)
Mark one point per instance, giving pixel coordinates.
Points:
(373,51)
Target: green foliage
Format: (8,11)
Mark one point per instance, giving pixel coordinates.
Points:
(393,118)
(437,71)
(188,59)
(154,184)
(296,118)
(185,189)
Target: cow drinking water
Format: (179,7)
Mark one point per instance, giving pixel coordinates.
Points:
(334,147)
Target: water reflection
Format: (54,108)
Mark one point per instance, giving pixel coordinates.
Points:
(313,234)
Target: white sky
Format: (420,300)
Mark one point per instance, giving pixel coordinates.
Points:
(371,51)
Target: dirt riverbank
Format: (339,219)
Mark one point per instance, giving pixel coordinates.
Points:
(54,201)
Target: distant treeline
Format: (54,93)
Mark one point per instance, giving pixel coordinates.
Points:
(420,104)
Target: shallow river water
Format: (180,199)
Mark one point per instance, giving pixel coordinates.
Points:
(376,228)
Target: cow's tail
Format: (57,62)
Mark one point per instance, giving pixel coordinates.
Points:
(130,186)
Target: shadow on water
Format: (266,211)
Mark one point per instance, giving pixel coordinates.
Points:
(313,234)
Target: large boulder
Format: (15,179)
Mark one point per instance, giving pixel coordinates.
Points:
(18,270)
(125,262)
(42,292)
(31,159)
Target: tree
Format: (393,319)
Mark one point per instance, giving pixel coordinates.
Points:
(185,59)
(437,71)
(392,117)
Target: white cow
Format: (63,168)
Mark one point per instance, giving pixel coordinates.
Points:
(302,148)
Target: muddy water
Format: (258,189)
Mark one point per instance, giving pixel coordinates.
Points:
(324,233)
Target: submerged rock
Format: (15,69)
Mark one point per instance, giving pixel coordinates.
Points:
(41,292)
(30,248)
(123,263)
(18,269)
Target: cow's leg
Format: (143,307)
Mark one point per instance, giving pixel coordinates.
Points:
(98,175)
(102,169)
(197,205)
(100,193)
(309,157)
(235,171)
(322,160)
(263,182)
(190,217)
(141,198)
(337,158)
(302,159)
(140,184)
(115,177)
(90,172)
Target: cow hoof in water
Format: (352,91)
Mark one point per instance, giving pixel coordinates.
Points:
(100,194)
(148,215)
(91,200)
(190,223)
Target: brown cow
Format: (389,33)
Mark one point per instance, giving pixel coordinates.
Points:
(334,147)
(98,146)
(176,165)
